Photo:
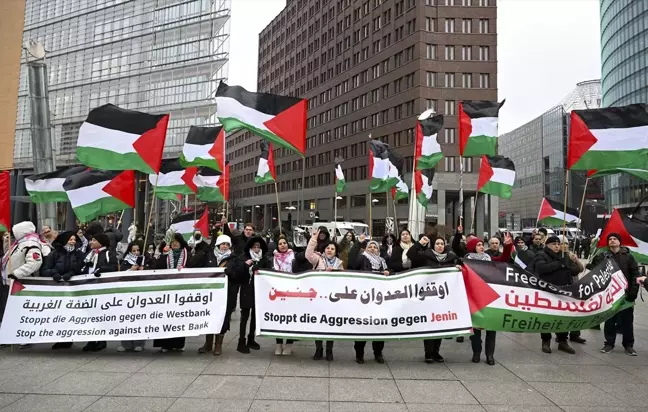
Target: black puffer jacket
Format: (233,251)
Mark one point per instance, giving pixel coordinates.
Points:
(63,264)
(628,266)
(553,267)
(247,288)
(423,256)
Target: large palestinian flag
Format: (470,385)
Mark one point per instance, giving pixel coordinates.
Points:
(173,180)
(48,187)
(279,119)
(396,164)
(638,173)
(95,193)
(496,176)
(609,138)
(224,182)
(5,201)
(186,223)
(378,167)
(112,138)
(552,213)
(423,185)
(428,150)
(633,232)
(208,183)
(478,127)
(266,173)
(205,146)
(400,191)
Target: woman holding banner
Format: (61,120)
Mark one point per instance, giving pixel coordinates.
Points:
(255,258)
(398,261)
(282,261)
(134,260)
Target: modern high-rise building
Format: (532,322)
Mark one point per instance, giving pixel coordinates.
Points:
(369,68)
(155,56)
(624,71)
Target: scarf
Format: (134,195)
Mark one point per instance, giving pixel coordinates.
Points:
(478,256)
(523,248)
(378,264)
(176,258)
(389,249)
(333,263)
(441,257)
(256,256)
(93,257)
(407,263)
(131,258)
(69,248)
(220,255)
(282,262)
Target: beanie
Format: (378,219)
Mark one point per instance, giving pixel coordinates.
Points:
(223,239)
(552,239)
(472,244)
(616,235)
(103,239)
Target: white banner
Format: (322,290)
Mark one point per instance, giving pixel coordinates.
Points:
(416,304)
(142,305)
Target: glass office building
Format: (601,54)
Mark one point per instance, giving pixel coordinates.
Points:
(624,59)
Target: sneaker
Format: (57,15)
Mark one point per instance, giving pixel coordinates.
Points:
(546,347)
(564,347)
(607,348)
(279,349)
(630,351)
(121,349)
(578,339)
(287,349)
(138,349)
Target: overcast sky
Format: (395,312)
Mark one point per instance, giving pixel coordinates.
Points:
(545,47)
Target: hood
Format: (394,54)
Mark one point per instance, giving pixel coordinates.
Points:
(22,229)
(92,229)
(254,239)
(62,238)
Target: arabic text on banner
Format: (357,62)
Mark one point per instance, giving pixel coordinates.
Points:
(117,306)
(505,298)
(419,303)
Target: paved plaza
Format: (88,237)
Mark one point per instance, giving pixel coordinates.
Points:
(524,379)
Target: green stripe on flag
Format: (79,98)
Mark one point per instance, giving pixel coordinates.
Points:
(48,197)
(109,291)
(422,199)
(497,189)
(99,207)
(611,159)
(266,178)
(339,186)
(231,124)
(209,194)
(481,145)
(199,162)
(429,161)
(107,160)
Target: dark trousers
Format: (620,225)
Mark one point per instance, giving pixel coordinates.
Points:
(245,315)
(329,344)
(432,346)
(574,334)
(476,342)
(560,337)
(376,345)
(4,294)
(626,319)
(288,341)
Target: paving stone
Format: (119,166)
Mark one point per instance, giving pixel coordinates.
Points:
(575,394)
(8,398)
(510,393)
(154,385)
(427,407)
(287,366)
(436,392)
(367,407)
(115,364)
(364,390)
(544,373)
(210,405)
(84,383)
(633,394)
(130,403)
(50,403)
(344,368)
(224,387)
(421,370)
(482,372)
(288,406)
(190,364)
(297,389)
(509,408)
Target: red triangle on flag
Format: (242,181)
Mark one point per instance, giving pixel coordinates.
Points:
(223,183)
(580,139)
(5,200)
(591,172)
(485,173)
(122,187)
(545,210)
(188,177)
(465,129)
(203,223)
(290,125)
(150,144)
(16,287)
(218,150)
(271,162)
(479,293)
(615,225)
(418,181)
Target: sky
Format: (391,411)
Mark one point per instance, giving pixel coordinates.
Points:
(545,47)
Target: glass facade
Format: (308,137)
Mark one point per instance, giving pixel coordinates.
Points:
(624,59)
(156,56)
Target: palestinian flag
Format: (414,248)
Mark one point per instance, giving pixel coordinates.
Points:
(396,163)
(340,183)
(516,259)
(378,167)
(186,223)
(118,139)
(552,213)
(5,201)
(609,138)
(48,187)
(638,173)
(428,150)
(423,185)
(496,176)
(173,180)
(205,146)
(208,186)
(95,193)
(266,172)
(224,182)
(279,119)
(633,232)
(203,223)
(478,127)
(400,191)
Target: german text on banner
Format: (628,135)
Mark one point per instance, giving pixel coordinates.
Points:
(351,305)
(117,306)
(505,298)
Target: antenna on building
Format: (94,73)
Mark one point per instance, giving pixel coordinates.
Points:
(34,49)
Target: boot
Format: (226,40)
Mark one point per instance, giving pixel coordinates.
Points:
(546,346)
(319,353)
(209,344)
(218,347)
(564,346)
(242,347)
(329,355)
(252,344)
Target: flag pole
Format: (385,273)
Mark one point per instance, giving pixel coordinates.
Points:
(580,211)
(370,218)
(387,195)
(148,224)
(396,227)
(278,209)
(474,213)
(335,219)
(461,191)
(303,184)
(564,226)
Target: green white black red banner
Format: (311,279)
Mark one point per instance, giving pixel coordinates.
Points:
(505,298)
(117,306)
(419,303)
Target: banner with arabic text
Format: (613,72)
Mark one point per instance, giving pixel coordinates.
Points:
(419,303)
(505,298)
(137,305)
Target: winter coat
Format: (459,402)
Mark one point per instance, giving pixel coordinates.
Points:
(458,247)
(493,253)
(526,256)
(301,264)
(238,242)
(363,263)
(554,268)
(628,266)
(61,262)
(247,287)
(423,256)
(162,261)
(536,249)
(26,254)
(148,263)
(315,259)
(106,262)
(395,262)
(384,249)
(321,244)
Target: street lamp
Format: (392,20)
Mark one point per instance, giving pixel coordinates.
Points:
(338,198)
(291,208)
(375,200)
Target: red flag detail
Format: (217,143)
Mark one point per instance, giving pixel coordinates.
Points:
(16,287)
(485,173)
(418,151)
(418,181)
(580,140)
(122,187)
(149,146)
(615,225)
(5,201)
(203,223)
(479,293)
(591,172)
(290,126)
(545,210)
(188,177)
(465,129)
(218,150)
(179,196)
(224,183)
(271,162)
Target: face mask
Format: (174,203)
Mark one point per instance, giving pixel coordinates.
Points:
(197,236)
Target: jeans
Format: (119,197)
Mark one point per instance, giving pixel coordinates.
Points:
(376,345)
(245,315)
(288,341)
(432,346)
(626,318)
(560,337)
(476,342)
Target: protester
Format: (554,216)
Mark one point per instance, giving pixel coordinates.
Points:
(82,243)
(574,335)
(134,261)
(65,260)
(538,243)
(493,247)
(323,239)
(524,253)
(345,247)
(436,257)
(559,269)
(630,268)
(388,243)
(282,261)
(48,234)
(197,242)
(240,241)
(255,258)
(398,261)
(370,261)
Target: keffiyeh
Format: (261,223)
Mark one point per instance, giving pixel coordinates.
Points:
(220,255)
(282,262)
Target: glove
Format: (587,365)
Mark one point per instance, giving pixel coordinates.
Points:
(97,273)
(57,277)
(68,276)
(631,295)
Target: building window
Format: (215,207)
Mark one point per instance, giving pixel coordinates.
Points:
(449,136)
(484,80)
(450,107)
(483,26)
(466,52)
(484,52)
(429,2)
(449,52)
(466,80)
(430,24)
(359,201)
(449,25)
(466,2)
(430,51)
(375,70)
(467,165)
(430,79)
(449,80)
(466,25)
(430,104)
(449,164)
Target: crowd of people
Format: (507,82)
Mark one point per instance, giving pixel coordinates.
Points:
(93,251)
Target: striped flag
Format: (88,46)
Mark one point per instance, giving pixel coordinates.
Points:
(400,191)
(633,232)
(552,213)
(186,223)
(48,187)
(638,173)
(204,147)
(173,180)
(207,184)
(340,183)
(428,150)
(478,127)
(423,181)
(266,173)
(496,176)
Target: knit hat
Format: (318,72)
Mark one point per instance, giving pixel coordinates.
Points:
(552,239)
(64,237)
(103,239)
(472,244)
(616,235)
(223,239)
